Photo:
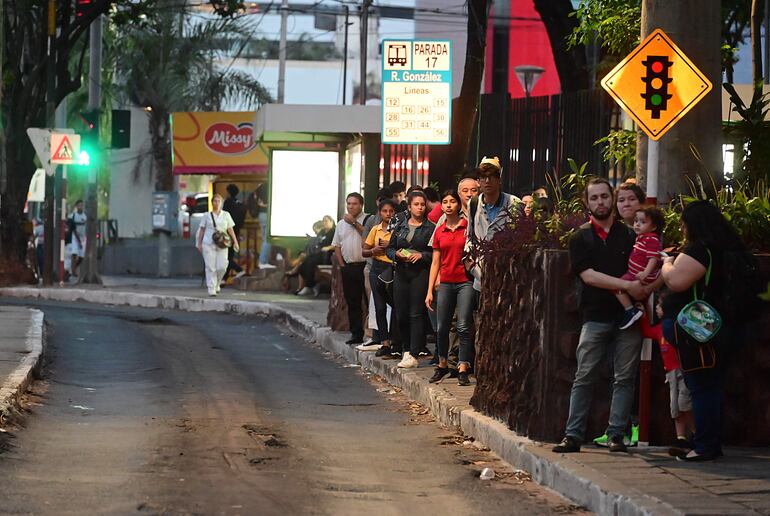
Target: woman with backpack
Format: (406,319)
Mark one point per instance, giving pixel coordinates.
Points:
(700,272)
(409,250)
(213,234)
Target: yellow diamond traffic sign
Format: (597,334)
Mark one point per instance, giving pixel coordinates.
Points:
(656,84)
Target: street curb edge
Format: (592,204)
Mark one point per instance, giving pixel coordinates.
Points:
(29,367)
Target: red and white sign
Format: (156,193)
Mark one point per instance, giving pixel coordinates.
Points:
(226,138)
(65,148)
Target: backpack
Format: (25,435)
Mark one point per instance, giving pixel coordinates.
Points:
(742,284)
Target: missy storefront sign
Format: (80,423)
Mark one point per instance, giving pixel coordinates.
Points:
(216,143)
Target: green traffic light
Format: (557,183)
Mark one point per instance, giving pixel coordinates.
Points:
(656,100)
(84,159)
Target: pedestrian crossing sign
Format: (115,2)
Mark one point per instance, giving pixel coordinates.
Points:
(66,148)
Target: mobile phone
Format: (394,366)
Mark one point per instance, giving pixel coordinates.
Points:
(663,254)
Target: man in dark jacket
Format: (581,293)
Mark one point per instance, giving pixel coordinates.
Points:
(238,212)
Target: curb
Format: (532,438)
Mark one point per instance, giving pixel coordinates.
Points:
(585,486)
(29,367)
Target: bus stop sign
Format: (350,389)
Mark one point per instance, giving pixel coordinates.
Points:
(656,84)
(417,91)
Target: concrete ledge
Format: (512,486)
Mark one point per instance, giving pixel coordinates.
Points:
(29,366)
(578,482)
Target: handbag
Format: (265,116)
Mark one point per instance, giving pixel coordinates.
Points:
(387,276)
(693,355)
(698,318)
(222,239)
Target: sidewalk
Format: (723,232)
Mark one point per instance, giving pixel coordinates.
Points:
(646,481)
(21,352)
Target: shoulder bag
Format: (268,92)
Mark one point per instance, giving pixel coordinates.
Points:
(698,318)
(222,239)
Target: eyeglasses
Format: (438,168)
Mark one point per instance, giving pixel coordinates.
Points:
(490,177)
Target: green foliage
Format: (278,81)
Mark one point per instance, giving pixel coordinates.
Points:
(569,210)
(746,207)
(616,24)
(752,130)
(620,148)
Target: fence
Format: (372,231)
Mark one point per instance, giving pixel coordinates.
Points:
(536,136)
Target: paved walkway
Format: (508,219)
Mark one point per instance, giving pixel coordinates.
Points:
(646,481)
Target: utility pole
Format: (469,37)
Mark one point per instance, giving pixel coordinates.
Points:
(344,57)
(282,52)
(48,228)
(364,46)
(89,272)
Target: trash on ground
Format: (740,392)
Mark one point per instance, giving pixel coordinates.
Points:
(487,474)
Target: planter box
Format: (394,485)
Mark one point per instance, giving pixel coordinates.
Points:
(527,336)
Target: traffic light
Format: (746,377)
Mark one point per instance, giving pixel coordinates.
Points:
(656,93)
(82,7)
(89,139)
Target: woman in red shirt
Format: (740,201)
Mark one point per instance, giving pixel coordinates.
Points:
(455,291)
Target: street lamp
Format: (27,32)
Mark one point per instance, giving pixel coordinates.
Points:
(528,76)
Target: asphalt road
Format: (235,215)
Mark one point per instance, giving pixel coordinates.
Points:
(149,412)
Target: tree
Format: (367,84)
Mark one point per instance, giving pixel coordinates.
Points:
(570,59)
(26,68)
(466,109)
(694,146)
(169,66)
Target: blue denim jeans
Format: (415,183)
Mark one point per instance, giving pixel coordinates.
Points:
(460,296)
(597,340)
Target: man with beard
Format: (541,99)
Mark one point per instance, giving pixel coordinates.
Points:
(598,256)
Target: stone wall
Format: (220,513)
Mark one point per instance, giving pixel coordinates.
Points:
(527,336)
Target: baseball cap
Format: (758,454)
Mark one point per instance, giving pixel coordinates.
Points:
(487,163)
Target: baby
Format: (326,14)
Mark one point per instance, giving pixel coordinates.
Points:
(645,261)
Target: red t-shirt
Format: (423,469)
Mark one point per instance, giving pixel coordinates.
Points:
(435,213)
(451,243)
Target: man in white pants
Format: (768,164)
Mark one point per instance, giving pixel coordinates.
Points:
(215,257)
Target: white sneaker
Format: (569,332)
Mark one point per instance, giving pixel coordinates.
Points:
(238,275)
(266,266)
(368,347)
(213,293)
(408,361)
(306,291)
(317,290)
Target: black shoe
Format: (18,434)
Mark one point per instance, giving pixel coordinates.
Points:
(697,457)
(452,372)
(630,316)
(384,351)
(354,340)
(616,444)
(567,445)
(438,374)
(462,378)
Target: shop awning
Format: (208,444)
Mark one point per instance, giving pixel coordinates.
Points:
(280,122)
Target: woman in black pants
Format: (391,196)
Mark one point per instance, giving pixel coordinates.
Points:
(410,251)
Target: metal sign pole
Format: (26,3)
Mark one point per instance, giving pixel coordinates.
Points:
(63,225)
(645,364)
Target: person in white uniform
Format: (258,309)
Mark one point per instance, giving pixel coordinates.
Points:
(77,247)
(214,256)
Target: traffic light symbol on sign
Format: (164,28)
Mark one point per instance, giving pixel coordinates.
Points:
(656,78)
